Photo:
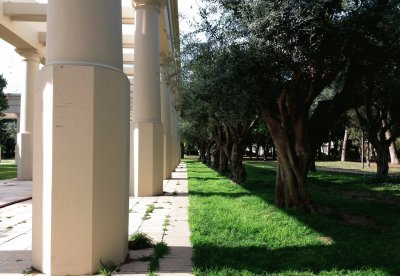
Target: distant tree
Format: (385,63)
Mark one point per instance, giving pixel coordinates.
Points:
(3,98)
(380,112)
(8,137)
(217,94)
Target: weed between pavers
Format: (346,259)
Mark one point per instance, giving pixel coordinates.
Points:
(165,224)
(30,271)
(160,250)
(149,210)
(139,240)
(108,268)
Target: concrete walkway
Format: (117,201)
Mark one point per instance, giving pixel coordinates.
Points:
(167,222)
(12,191)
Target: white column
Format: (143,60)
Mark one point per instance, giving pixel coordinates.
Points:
(24,146)
(147,129)
(81,140)
(175,139)
(166,121)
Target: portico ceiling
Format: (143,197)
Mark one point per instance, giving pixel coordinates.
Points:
(23,25)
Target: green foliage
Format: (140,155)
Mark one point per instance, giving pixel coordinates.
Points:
(3,99)
(237,229)
(139,240)
(108,268)
(8,137)
(149,210)
(160,250)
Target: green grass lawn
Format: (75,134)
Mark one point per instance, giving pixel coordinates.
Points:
(237,230)
(8,170)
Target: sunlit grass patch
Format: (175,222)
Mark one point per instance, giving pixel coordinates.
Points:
(237,230)
(8,171)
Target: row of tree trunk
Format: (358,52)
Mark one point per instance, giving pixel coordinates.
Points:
(226,150)
(382,145)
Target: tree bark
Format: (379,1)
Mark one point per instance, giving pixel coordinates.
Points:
(344,145)
(382,158)
(215,158)
(208,155)
(381,146)
(294,156)
(223,162)
(291,181)
(202,156)
(394,160)
(238,172)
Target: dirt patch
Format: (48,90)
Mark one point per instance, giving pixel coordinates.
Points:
(366,196)
(351,219)
(358,220)
(326,240)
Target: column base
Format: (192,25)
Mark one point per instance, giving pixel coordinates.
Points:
(147,159)
(81,169)
(23,150)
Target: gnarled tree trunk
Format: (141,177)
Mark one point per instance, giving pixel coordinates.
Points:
(382,157)
(203,153)
(294,156)
(223,162)
(291,175)
(238,172)
(215,158)
(208,155)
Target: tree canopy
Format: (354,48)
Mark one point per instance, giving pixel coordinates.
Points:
(304,63)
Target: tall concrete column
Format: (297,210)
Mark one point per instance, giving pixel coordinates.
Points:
(166,121)
(81,139)
(178,141)
(24,145)
(175,138)
(147,127)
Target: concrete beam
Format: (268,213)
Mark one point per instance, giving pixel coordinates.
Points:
(128,15)
(36,12)
(18,34)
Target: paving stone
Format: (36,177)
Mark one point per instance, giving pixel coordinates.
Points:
(15,243)
(137,254)
(135,266)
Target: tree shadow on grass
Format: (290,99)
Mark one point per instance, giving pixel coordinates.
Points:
(350,245)
(221,194)
(312,259)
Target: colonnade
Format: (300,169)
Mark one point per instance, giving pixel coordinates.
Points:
(87,155)
(24,147)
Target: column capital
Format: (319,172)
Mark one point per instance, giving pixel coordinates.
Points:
(30,54)
(159,4)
